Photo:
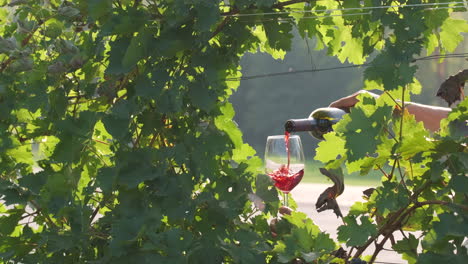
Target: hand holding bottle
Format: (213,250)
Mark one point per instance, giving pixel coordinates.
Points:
(350,100)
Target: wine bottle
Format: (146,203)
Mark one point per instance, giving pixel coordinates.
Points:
(319,122)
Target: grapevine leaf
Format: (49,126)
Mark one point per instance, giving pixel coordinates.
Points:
(106,179)
(265,3)
(408,248)
(392,68)
(365,165)
(34,182)
(431,257)
(170,101)
(265,188)
(22,153)
(118,51)
(225,123)
(138,168)
(459,183)
(208,15)
(415,136)
(117,127)
(278,35)
(346,47)
(431,44)
(54,28)
(99,8)
(137,49)
(323,243)
(202,97)
(8,223)
(355,234)
(419,220)
(332,148)
(436,18)
(366,121)
(144,87)
(455,124)
(451,225)
(358,208)
(390,197)
(259,32)
(450,34)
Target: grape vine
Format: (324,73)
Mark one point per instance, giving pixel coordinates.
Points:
(118,145)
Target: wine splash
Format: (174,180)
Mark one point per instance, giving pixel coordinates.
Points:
(285,180)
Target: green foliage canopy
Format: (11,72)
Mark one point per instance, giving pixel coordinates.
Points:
(117,141)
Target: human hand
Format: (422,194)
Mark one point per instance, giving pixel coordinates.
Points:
(350,100)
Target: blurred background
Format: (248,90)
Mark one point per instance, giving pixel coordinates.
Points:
(264,103)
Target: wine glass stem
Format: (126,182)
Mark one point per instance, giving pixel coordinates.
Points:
(285,199)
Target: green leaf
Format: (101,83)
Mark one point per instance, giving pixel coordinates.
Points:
(323,243)
(207,15)
(408,248)
(278,35)
(383,154)
(265,188)
(450,34)
(9,223)
(68,11)
(358,208)
(225,123)
(455,124)
(117,127)
(127,106)
(332,148)
(22,153)
(265,3)
(202,96)
(53,28)
(58,242)
(118,50)
(363,127)
(393,66)
(415,136)
(144,87)
(259,32)
(137,49)
(459,183)
(355,234)
(431,44)
(34,182)
(451,225)
(138,168)
(345,47)
(106,179)
(430,257)
(390,197)
(99,8)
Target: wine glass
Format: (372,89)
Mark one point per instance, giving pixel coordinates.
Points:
(286,169)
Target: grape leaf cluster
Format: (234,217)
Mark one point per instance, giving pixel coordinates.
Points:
(118,143)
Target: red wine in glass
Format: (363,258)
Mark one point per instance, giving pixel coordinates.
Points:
(285,180)
(284,161)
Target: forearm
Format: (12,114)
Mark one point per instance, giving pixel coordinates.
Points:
(429,115)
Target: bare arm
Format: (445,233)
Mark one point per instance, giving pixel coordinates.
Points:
(429,115)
